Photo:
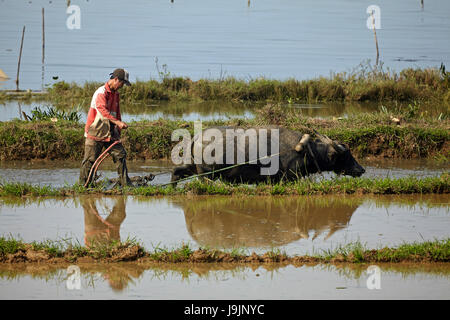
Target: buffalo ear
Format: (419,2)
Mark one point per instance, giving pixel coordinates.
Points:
(335,150)
(303,142)
(332,153)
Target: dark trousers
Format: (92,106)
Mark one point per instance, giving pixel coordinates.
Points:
(93,149)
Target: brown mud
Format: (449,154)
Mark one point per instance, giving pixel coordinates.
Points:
(135,253)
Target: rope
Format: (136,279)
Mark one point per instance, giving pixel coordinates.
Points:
(219,170)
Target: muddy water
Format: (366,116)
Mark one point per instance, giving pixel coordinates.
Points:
(190,111)
(295,225)
(61,173)
(206,111)
(213,281)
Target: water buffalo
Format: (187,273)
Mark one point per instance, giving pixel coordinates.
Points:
(295,155)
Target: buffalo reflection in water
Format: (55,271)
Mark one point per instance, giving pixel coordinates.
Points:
(263,221)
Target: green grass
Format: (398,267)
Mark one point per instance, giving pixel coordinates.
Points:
(53,114)
(364,83)
(171,255)
(369,134)
(438,250)
(66,248)
(339,185)
(10,245)
(426,251)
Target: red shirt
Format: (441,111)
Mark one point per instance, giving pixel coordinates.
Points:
(106,102)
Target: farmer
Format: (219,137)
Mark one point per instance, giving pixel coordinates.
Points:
(103,127)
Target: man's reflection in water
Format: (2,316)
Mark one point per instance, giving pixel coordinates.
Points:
(96,228)
(98,231)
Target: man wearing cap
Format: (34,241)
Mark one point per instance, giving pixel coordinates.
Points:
(103,127)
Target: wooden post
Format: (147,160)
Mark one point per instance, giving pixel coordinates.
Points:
(376,41)
(43,48)
(20,57)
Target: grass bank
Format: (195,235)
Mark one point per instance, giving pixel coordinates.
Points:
(16,251)
(342,185)
(414,135)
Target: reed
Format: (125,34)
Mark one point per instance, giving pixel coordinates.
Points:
(366,82)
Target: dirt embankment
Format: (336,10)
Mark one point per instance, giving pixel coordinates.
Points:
(152,140)
(135,253)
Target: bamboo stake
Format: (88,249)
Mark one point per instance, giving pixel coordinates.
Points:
(43,48)
(376,41)
(20,57)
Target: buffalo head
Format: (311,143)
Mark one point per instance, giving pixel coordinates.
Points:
(342,160)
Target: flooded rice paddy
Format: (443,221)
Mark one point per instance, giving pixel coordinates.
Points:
(247,41)
(295,225)
(61,173)
(208,110)
(191,111)
(144,111)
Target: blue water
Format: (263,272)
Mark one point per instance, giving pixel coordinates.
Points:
(214,39)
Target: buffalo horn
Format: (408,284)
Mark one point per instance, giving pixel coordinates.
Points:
(303,141)
(325,139)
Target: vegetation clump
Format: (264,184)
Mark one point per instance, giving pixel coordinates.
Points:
(16,251)
(365,82)
(53,114)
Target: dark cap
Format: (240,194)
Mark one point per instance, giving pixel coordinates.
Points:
(122,74)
